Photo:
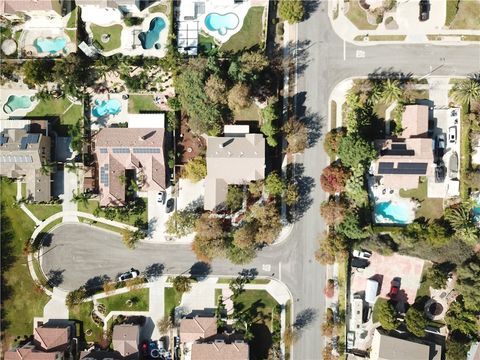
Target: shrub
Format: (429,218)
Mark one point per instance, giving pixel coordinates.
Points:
(334,178)
(195,170)
(182,284)
(386,314)
(415,321)
(291,10)
(132,21)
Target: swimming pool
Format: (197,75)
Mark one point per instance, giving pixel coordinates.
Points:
(221,22)
(150,38)
(391,213)
(106,107)
(50,45)
(15,102)
(476,210)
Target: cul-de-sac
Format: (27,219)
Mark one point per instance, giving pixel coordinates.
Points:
(240,179)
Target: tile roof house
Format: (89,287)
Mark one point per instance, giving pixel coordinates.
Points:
(233,159)
(120,149)
(125,340)
(52,339)
(405,159)
(386,347)
(21,156)
(197,328)
(219,350)
(128,6)
(29,353)
(31,7)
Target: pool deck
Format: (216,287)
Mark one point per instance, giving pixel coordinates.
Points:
(107,121)
(20,91)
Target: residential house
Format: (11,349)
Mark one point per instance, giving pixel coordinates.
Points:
(28,352)
(234,159)
(386,347)
(197,328)
(403,160)
(22,154)
(100,355)
(52,338)
(125,154)
(12,9)
(125,6)
(125,340)
(220,350)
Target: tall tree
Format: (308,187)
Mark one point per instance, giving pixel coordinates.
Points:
(386,315)
(333,212)
(334,178)
(182,284)
(462,221)
(216,89)
(296,135)
(239,97)
(415,321)
(354,150)
(466,92)
(391,91)
(291,10)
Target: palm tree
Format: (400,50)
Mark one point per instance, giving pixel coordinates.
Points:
(466,92)
(391,91)
(182,284)
(81,198)
(71,166)
(46,168)
(462,221)
(375,94)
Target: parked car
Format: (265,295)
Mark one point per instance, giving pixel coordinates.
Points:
(440,145)
(395,286)
(362,254)
(170,205)
(129,275)
(161,197)
(350,339)
(176,341)
(144,349)
(440,173)
(452,134)
(424,10)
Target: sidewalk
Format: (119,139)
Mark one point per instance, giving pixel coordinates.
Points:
(407,25)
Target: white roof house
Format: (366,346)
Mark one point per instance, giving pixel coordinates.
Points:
(371,291)
(142,121)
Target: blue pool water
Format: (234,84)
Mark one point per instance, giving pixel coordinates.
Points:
(393,213)
(476,210)
(221,22)
(15,102)
(149,38)
(50,45)
(106,107)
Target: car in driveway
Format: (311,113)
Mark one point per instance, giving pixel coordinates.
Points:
(170,205)
(440,172)
(440,145)
(132,274)
(452,134)
(394,287)
(161,197)
(424,6)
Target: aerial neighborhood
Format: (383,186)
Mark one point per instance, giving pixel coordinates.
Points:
(240,179)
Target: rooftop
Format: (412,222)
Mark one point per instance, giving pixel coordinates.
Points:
(125,339)
(197,328)
(220,351)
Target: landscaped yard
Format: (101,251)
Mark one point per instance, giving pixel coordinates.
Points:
(376,307)
(141,103)
(43,211)
(205,42)
(251,113)
(82,313)
(113,32)
(158,8)
(172,300)
(467,16)
(358,16)
(93,204)
(139,301)
(21,299)
(429,208)
(101,225)
(62,108)
(72,24)
(251,33)
(254,281)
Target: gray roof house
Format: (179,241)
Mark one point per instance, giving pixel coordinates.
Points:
(232,160)
(21,156)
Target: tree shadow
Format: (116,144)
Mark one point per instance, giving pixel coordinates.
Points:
(309,7)
(305,318)
(261,342)
(313,122)
(195,205)
(248,274)
(44,239)
(305,185)
(293,53)
(154,270)
(200,269)
(95,283)
(380,74)
(55,277)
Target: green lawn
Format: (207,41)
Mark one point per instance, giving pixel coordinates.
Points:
(43,211)
(452,8)
(50,226)
(162,8)
(375,309)
(139,299)
(429,208)
(254,281)
(93,204)
(205,42)
(288,323)
(259,302)
(140,103)
(358,16)
(81,313)
(62,108)
(467,16)
(251,33)
(172,300)
(72,24)
(114,31)
(20,299)
(252,113)
(386,37)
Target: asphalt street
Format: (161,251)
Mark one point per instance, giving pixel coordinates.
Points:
(81,254)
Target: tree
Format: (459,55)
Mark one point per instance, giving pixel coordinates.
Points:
(75,132)
(181,223)
(220,312)
(386,314)
(415,321)
(75,297)
(164,324)
(292,195)
(209,241)
(216,88)
(255,188)
(328,323)
(130,238)
(332,141)
(291,10)
(274,185)
(244,237)
(296,135)
(355,187)
(239,97)
(460,320)
(234,198)
(354,150)
(240,256)
(467,283)
(391,91)
(37,72)
(81,198)
(456,350)
(195,169)
(269,116)
(350,227)
(334,178)
(182,284)
(462,221)
(466,92)
(437,276)
(268,219)
(252,63)
(333,212)
(331,248)
(290,336)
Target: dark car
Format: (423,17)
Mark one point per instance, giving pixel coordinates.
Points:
(170,205)
(144,348)
(424,10)
(440,173)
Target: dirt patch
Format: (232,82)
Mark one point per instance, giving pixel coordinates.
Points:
(189,145)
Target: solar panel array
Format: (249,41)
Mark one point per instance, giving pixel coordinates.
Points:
(104,175)
(146,150)
(16,159)
(29,139)
(121,150)
(403,168)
